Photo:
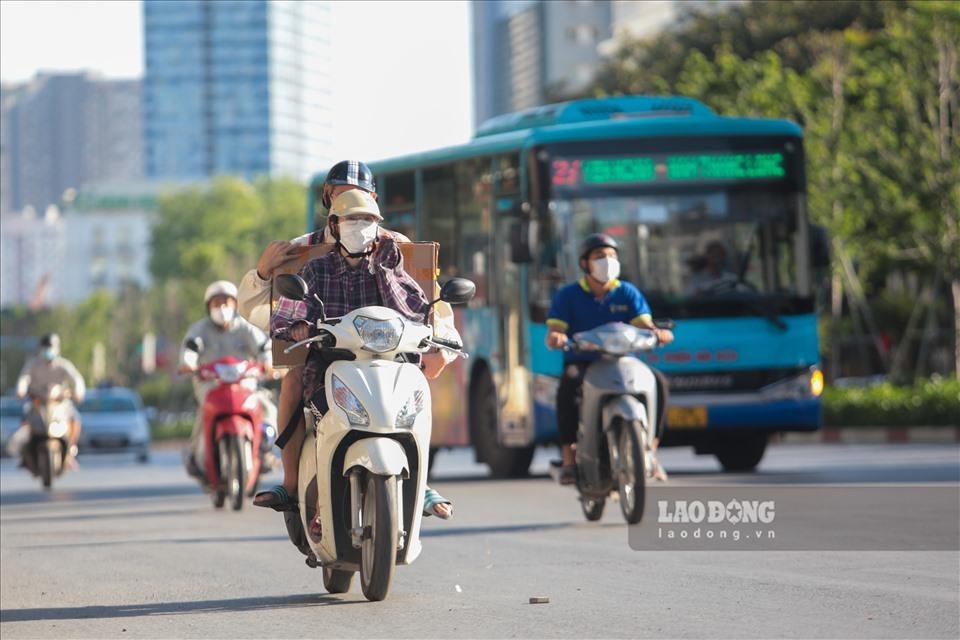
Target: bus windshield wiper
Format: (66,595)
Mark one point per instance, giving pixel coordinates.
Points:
(767,311)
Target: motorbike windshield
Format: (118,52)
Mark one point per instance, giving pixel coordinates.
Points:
(615,338)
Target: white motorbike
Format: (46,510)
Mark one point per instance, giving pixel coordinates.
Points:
(363,466)
(45,452)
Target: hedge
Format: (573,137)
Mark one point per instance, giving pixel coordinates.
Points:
(934,402)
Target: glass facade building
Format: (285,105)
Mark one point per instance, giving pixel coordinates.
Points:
(236,87)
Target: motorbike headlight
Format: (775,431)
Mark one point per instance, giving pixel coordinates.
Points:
(350,404)
(379,336)
(411,409)
(57,429)
(230,373)
(618,344)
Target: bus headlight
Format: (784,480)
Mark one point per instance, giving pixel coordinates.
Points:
(816,383)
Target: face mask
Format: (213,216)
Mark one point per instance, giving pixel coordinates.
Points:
(222,315)
(49,353)
(356,236)
(605,269)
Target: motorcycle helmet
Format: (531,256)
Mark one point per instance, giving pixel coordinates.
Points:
(220,288)
(351,172)
(597,241)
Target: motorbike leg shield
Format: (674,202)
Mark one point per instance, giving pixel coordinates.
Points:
(381,456)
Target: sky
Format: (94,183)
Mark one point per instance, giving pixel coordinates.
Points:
(407,87)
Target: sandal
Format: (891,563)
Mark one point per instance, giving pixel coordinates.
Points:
(431,499)
(564,474)
(277,499)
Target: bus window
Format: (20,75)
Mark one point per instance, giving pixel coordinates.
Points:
(398,203)
(474,222)
(439,208)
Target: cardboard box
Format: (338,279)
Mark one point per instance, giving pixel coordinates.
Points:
(419,260)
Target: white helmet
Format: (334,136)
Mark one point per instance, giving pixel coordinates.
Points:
(220,288)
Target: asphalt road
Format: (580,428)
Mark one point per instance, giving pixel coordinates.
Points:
(121,550)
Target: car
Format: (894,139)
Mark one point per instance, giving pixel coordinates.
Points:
(11,415)
(115,420)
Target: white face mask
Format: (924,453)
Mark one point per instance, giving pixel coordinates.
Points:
(223,315)
(605,269)
(356,236)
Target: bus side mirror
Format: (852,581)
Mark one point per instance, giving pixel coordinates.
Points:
(523,234)
(819,247)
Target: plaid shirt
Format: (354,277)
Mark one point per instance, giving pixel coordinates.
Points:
(344,289)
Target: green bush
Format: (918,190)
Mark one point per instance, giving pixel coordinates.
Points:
(171,430)
(934,402)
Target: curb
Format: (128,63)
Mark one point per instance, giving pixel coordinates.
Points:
(872,435)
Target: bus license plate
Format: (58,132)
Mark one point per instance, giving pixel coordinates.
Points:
(686,417)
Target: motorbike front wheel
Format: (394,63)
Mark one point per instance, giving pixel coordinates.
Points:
(48,459)
(236,477)
(378,552)
(631,476)
(337,581)
(593,508)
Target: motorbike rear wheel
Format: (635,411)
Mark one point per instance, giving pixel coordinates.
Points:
(336,580)
(631,475)
(378,551)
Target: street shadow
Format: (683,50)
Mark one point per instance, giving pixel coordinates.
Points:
(173,608)
(113,543)
(57,495)
(124,515)
(453,478)
(496,529)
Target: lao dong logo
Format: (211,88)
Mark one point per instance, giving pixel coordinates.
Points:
(716,511)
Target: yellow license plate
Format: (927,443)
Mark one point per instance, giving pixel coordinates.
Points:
(686,417)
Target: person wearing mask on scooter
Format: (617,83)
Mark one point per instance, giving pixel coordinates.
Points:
(365,269)
(221,333)
(49,368)
(598,298)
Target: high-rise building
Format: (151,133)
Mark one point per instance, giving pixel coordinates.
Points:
(61,131)
(527,53)
(532,52)
(238,87)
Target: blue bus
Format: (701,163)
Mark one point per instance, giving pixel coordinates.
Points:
(711,217)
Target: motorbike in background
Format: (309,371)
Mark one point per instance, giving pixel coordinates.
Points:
(232,427)
(47,418)
(618,417)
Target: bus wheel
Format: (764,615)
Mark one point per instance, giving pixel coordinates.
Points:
(742,453)
(504,462)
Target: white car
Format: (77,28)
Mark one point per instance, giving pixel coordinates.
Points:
(115,420)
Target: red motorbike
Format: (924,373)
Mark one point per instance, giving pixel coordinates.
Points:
(232,429)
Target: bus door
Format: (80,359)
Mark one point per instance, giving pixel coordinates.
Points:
(516,427)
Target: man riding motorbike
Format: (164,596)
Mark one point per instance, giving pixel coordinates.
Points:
(596,299)
(222,333)
(49,368)
(254,304)
(365,269)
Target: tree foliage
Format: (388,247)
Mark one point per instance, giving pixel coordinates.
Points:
(875,87)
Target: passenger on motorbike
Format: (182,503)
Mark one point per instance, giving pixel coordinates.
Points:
(222,333)
(366,269)
(49,368)
(596,299)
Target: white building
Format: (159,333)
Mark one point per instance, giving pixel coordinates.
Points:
(32,257)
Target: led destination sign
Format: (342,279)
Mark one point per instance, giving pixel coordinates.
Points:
(570,172)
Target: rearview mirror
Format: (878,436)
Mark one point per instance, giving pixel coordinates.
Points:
(291,286)
(457,291)
(819,247)
(523,235)
(194,344)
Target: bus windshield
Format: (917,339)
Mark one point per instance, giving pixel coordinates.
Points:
(681,245)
